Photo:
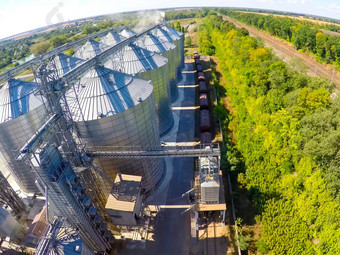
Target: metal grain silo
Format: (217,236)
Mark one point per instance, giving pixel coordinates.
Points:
(90,49)
(62,63)
(174,39)
(115,109)
(127,33)
(22,113)
(148,65)
(166,49)
(174,32)
(112,38)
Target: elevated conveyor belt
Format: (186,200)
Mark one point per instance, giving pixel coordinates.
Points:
(154,152)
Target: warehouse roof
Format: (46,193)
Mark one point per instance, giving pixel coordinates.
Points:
(124,193)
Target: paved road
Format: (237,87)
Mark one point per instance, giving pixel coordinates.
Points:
(172,233)
(172,230)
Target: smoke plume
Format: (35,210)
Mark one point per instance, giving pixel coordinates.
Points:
(147,19)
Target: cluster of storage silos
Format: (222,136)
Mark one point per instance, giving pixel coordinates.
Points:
(124,102)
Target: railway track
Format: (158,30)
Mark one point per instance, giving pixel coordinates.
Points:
(210,240)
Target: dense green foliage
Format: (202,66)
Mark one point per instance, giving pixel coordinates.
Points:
(305,36)
(185,14)
(286,130)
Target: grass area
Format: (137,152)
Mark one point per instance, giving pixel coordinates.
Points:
(193,33)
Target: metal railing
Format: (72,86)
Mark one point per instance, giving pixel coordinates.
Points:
(200,150)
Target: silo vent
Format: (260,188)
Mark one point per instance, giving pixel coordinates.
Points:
(140,99)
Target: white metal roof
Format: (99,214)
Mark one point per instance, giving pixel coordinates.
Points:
(134,59)
(17,98)
(64,63)
(154,43)
(172,31)
(90,49)
(165,35)
(103,92)
(112,38)
(127,33)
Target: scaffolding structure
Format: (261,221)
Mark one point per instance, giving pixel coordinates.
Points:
(10,198)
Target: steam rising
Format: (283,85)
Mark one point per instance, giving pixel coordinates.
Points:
(147,19)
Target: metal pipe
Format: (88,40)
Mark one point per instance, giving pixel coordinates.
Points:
(46,205)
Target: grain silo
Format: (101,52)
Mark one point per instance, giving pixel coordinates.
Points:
(174,39)
(112,38)
(127,33)
(90,49)
(166,49)
(174,32)
(148,65)
(62,63)
(22,113)
(115,109)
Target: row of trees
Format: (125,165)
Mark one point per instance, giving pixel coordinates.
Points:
(286,133)
(305,36)
(185,14)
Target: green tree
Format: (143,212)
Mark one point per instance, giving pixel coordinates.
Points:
(40,48)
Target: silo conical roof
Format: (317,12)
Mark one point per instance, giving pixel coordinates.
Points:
(127,33)
(103,92)
(172,31)
(136,60)
(154,43)
(64,63)
(165,35)
(90,49)
(18,97)
(112,38)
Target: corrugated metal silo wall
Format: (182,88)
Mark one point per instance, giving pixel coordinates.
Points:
(136,126)
(162,95)
(171,55)
(13,135)
(178,44)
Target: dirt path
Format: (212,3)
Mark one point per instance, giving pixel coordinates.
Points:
(286,52)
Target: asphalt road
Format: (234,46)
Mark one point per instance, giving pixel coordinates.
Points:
(172,229)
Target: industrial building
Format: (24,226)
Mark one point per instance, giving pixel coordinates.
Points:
(166,49)
(116,109)
(148,65)
(111,96)
(22,113)
(178,41)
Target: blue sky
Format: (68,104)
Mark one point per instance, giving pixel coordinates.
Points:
(21,15)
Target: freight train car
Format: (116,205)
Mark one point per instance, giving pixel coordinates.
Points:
(197,61)
(206,138)
(200,76)
(202,87)
(204,121)
(199,68)
(204,101)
